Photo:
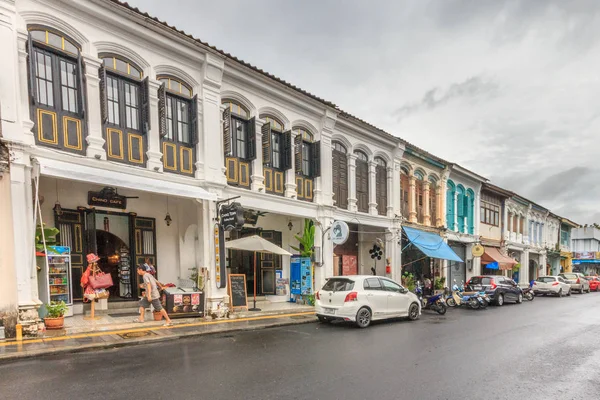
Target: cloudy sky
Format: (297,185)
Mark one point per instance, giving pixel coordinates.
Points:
(509,89)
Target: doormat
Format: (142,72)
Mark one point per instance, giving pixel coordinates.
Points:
(135,335)
(127,314)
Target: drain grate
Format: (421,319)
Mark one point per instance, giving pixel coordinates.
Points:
(135,335)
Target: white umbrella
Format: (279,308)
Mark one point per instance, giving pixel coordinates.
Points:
(256,244)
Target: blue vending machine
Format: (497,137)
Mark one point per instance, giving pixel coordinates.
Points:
(301,279)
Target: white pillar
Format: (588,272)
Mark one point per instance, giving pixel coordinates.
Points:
(94,139)
(426,211)
(323,191)
(154,152)
(13,69)
(23,90)
(322,238)
(391,192)
(352,200)
(212,121)
(412,198)
(455,200)
(372,187)
(290,174)
(8,283)
(505,222)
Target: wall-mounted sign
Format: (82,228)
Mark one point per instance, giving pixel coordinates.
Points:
(232,216)
(107,197)
(339,232)
(477,250)
(584,255)
(220,270)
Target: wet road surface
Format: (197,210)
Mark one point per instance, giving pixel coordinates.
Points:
(546,349)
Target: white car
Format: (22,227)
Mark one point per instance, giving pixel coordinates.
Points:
(577,281)
(554,285)
(364,298)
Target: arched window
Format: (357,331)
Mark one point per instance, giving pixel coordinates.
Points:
(340,175)
(240,129)
(419,175)
(239,143)
(305,152)
(55,83)
(274,122)
(381,185)
(450,205)
(237,109)
(433,206)
(274,147)
(362,181)
(405,190)
(125,109)
(178,128)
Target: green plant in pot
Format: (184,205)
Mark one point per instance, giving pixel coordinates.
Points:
(438,283)
(56,315)
(306,242)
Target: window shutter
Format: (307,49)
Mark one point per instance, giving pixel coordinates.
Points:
(267,147)
(103,94)
(146,105)
(32,83)
(287,150)
(315,154)
(461,205)
(298,153)
(162,110)
(227,132)
(251,144)
(194,121)
(81,82)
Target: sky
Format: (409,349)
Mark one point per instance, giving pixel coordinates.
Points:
(508,89)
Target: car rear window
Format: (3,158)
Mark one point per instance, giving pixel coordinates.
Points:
(480,280)
(546,279)
(339,285)
(570,276)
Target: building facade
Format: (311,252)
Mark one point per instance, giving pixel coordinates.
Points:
(586,249)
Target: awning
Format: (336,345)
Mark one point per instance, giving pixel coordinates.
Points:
(492,255)
(83,173)
(431,245)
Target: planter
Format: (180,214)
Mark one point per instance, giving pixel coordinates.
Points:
(157,315)
(54,323)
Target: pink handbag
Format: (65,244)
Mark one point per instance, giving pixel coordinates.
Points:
(101,281)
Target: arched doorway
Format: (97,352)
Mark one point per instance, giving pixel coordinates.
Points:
(114,253)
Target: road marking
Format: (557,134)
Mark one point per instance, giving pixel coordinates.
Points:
(126,331)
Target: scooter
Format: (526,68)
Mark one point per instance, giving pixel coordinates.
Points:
(435,303)
(458,298)
(528,293)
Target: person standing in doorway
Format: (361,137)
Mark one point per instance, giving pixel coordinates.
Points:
(152,296)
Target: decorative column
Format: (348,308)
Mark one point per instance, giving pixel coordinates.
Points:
(440,205)
(290,174)
(394,189)
(412,199)
(426,210)
(455,222)
(326,269)
(23,90)
(94,139)
(323,191)
(372,187)
(352,200)
(391,191)
(505,230)
(154,152)
(510,225)
(200,167)
(258,175)
(212,121)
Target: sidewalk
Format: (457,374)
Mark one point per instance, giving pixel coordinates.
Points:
(149,332)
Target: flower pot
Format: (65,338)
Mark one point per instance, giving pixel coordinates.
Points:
(157,316)
(54,323)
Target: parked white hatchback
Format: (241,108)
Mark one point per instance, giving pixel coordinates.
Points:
(554,285)
(364,298)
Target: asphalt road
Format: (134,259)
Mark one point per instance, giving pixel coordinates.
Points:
(546,349)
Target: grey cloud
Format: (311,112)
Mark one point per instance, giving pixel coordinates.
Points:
(474,87)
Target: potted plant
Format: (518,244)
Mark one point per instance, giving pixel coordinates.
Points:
(306,243)
(56,315)
(438,285)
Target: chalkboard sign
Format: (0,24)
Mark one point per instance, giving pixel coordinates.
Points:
(237,291)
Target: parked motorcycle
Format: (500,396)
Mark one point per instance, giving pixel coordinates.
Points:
(435,303)
(528,293)
(472,300)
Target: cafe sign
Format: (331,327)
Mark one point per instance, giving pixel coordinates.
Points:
(232,216)
(107,197)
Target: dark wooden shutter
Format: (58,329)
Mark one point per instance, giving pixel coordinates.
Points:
(146,105)
(143,241)
(298,154)
(287,150)
(227,132)
(315,154)
(251,144)
(362,185)
(194,121)
(71,227)
(103,94)
(267,145)
(335,171)
(381,189)
(32,62)
(343,171)
(162,110)
(81,82)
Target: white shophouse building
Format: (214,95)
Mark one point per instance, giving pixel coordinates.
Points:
(98,98)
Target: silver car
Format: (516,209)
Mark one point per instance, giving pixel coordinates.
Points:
(577,281)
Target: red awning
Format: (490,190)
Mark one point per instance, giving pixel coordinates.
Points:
(492,254)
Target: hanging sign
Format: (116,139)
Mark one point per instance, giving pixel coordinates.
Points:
(232,216)
(339,232)
(107,197)
(220,270)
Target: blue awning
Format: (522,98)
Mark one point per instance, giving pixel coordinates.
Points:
(431,245)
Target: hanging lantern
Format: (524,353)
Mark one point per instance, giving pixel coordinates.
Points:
(168,219)
(58,209)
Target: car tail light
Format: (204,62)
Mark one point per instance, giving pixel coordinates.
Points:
(493,285)
(318,296)
(578,281)
(555,284)
(352,296)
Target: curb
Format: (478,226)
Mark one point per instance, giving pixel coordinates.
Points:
(149,340)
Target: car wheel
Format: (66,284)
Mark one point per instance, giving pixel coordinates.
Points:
(413,312)
(569,293)
(363,317)
(322,319)
(520,298)
(500,300)
(560,294)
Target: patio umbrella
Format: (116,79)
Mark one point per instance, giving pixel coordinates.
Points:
(255,244)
